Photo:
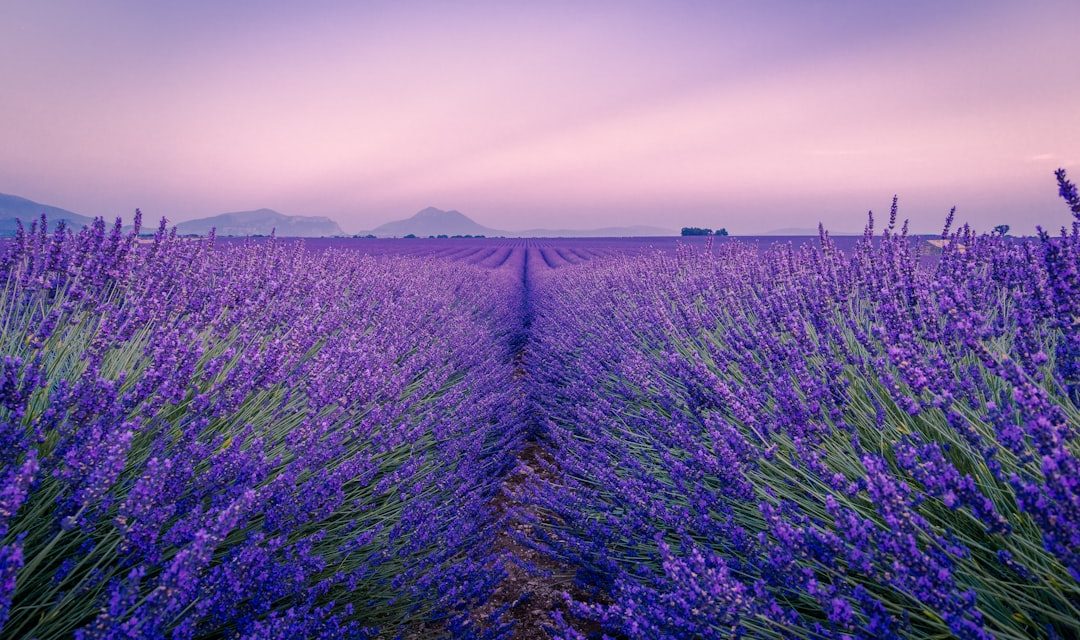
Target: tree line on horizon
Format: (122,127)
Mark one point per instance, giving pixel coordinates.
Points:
(703,231)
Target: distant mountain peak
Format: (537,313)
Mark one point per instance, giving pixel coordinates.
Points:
(14,208)
(432,221)
(261,222)
(435,213)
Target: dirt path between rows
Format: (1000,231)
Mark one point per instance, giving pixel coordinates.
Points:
(534,583)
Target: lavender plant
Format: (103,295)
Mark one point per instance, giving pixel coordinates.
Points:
(814,443)
(250,440)
(267,439)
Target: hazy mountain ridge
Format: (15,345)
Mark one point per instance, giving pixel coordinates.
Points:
(427,222)
(14,208)
(237,223)
(432,221)
(261,222)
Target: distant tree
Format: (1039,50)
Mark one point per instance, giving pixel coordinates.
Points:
(370,235)
(1001,230)
(696,231)
(442,235)
(410,235)
(721,231)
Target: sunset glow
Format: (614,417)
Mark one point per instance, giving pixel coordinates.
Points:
(752,115)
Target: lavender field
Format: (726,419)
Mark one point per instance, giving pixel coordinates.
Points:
(867,437)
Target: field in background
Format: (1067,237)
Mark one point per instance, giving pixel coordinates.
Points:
(559,252)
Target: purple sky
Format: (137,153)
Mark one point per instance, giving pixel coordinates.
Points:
(753,115)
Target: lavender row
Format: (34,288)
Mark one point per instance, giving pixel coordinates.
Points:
(817,443)
(249,440)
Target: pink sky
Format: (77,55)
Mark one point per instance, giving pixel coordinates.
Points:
(749,115)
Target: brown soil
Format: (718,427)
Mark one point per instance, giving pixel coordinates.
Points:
(532,595)
(535,583)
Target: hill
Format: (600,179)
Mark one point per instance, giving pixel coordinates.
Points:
(261,222)
(432,222)
(14,208)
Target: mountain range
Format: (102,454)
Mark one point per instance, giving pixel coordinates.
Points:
(14,208)
(237,223)
(433,222)
(427,222)
(261,222)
